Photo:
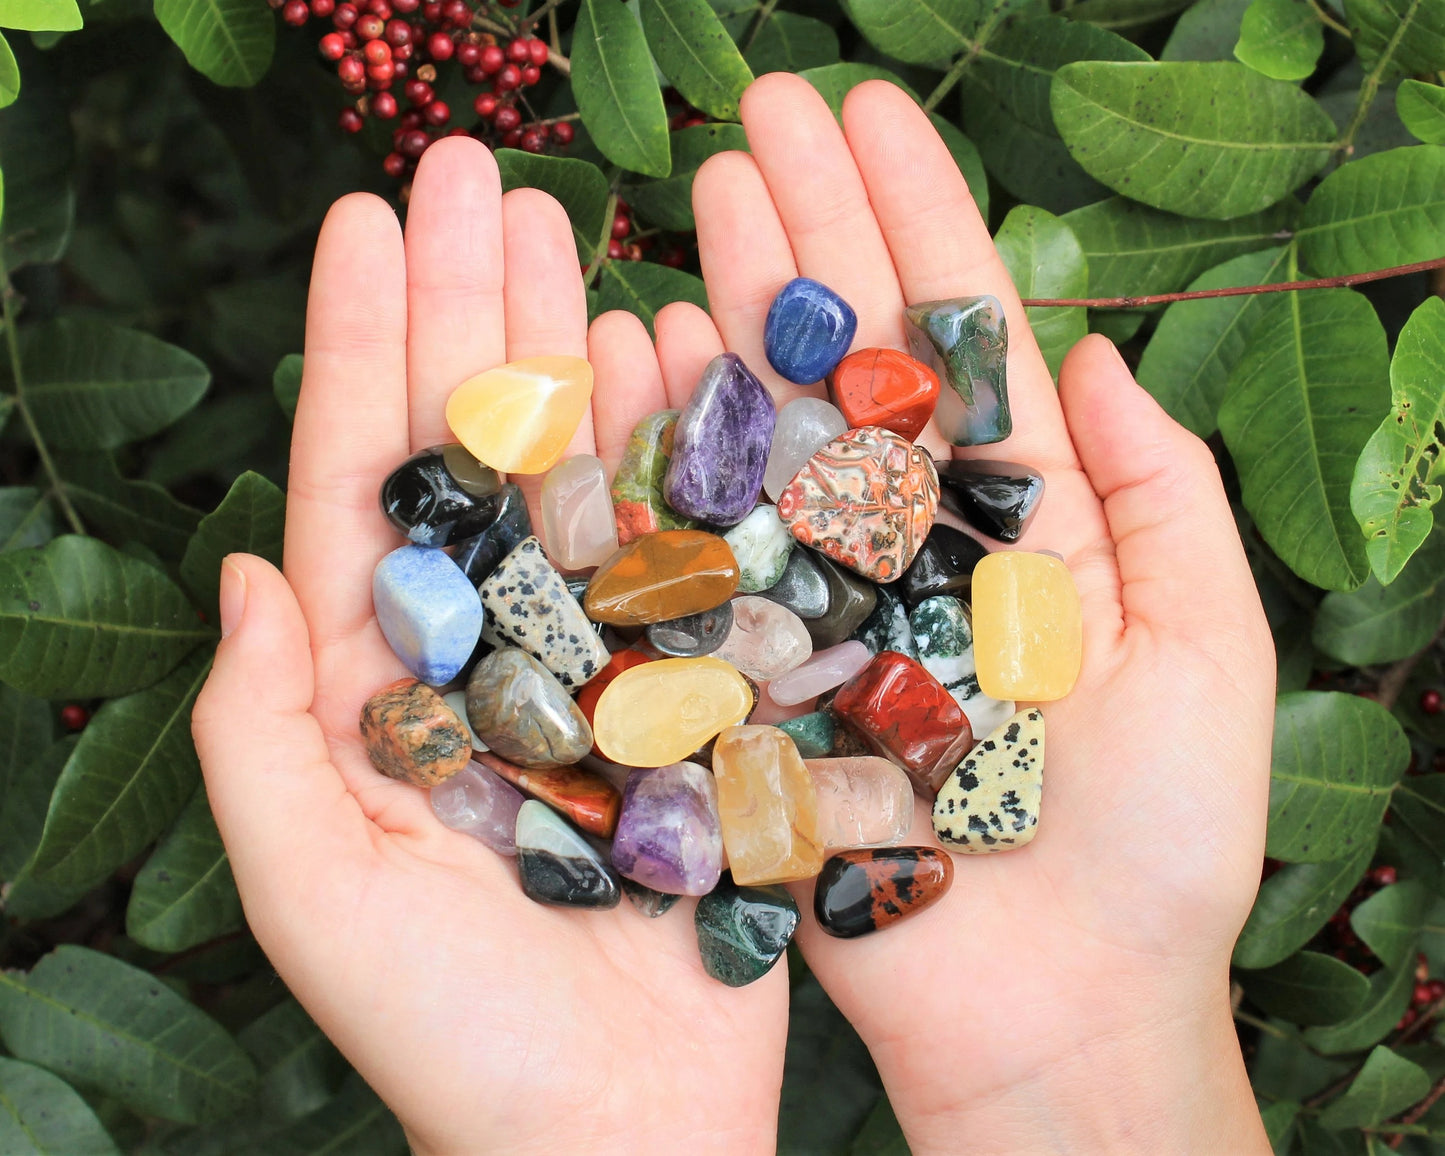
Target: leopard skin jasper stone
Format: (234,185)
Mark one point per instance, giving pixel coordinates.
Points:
(991,802)
(412,735)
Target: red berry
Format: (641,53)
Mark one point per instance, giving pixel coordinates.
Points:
(1437,989)
(296,13)
(274,4)
(531,74)
(621,226)
(73,716)
(393,164)
(411,119)
(532,141)
(1421,995)
(615,250)
(344,16)
(351,70)
(414,143)
(485,105)
(673,259)
(508,118)
(402,52)
(456,13)
(562,132)
(512,139)
(437,113)
(518,52)
(633,251)
(457,130)
(350,120)
(381,75)
(377,52)
(322,8)
(537,50)
(405,7)
(398,67)
(510,3)
(332,46)
(419,92)
(1383,876)
(1406,1020)
(693,122)
(1430,701)
(508,78)
(383,106)
(492,59)
(349,39)
(440,46)
(369,27)
(468,54)
(398,32)
(432,12)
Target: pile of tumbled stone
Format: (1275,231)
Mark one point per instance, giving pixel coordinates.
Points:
(684,689)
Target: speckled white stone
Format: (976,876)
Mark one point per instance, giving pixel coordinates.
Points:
(762,545)
(991,801)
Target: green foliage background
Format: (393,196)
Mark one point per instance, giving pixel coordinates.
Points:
(165,170)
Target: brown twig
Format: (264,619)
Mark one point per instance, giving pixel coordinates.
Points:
(1393,681)
(1417,1111)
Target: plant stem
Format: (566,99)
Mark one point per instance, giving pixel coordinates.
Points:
(1371,84)
(950,78)
(1255,1022)
(599,254)
(764,12)
(1417,1111)
(1329,21)
(1240,291)
(531,20)
(1393,681)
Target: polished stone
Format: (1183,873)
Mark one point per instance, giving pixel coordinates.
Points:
(637,499)
(944,635)
(808,330)
(851,600)
(663,711)
(886,628)
(885,387)
(864,801)
(944,565)
(743,931)
(584,798)
(860,892)
(965,341)
(577,517)
(721,446)
(440,495)
(824,671)
(621,660)
(694,635)
(651,903)
(803,589)
(557,865)
(457,700)
(811,733)
(766,640)
(412,735)
(669,836)
(805,425)
(991,801)
(773,712)
(477,802)
(1028,632)
(520,416)
(428,611)
(523,713)
(996,498)
(867,500)
(762,546)
(481,554)
(662,576)
(768,804)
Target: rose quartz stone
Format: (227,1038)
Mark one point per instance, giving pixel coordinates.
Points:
(825,670)
(769,711)
(862,802)
(767,640)
(577,519)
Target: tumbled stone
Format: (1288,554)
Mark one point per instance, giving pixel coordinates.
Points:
(945,648)
(1028,632)
(864,801)
(531,608)
(669,836)
(805,425)
(476,802)
(577,519)
(808,330)
(585,799)
(867,500)
(721,446)
(863,891)
(768,804)
(772,712)
(557,865)
(412,735)
(762,545)
(481,554)
(886,387)
(743,931)
(694,635)
(906,716)
(851,600)
(621,660)
(887,627)
(520,416)
(984,713)
(523,713)
(457,700)
(662,576)
(637,500)
(440,495)
(944,565)
(825,670)
(651,903)
(991,801)
(663,711)
(996,498)
(811,733)
(802,589)
(428,611)
(766,639)
(965,341)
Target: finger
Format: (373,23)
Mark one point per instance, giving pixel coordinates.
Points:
(351,417)
(687,340)
(627,382)
(453,280)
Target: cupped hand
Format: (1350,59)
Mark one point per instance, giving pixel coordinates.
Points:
(487,1022)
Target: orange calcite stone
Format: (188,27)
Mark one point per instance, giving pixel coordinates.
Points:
(662,576)
(886,387)
(587,799)
(520,416)
(769,806)
(621,660)
(1028,629)
(661,712)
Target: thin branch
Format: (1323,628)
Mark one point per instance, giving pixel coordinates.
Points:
(599,254)
(532,19)
(1239,291)
(764,12)
(1329,21)
(1393,681)
(1417,1111)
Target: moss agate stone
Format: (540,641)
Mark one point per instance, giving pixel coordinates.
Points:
(743,931)
(412,735)
(762,546)
(651,903)
(808,330)
(887,627)
(441,495)
(557,865)
(637,501)
(995,498)
(428,611)
(965,341)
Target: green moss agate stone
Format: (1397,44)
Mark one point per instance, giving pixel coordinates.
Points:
(812,733)
(887,627)
(742,931)
(965,341)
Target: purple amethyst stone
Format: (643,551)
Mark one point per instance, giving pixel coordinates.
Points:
(720,449)
(669,835)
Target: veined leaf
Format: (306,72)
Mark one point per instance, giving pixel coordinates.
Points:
(286,380)
(1390,921)
(9,78)
(40,15)
(1280,38)
(124,509)
(37,153)
(25,518)
(28,785)
(668,202)
(836,81)
(916,31)
(579,187)
(1044,259)
(1280,1120)
(696,53)
(1125,15)
(1421,107)
(1390,990)
(643,288)
(300,1068)
(789,42)
(1308,988)
(228,41)
(616,89)
(1206,31)
(1387,1084)
(966,157)
(1398,37)
(1381,210)
(251,519)
(1386,623)
(1293,904)
(42,1115)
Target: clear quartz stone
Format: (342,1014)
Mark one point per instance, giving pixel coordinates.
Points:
(479,803)
(804,427)
(577,519)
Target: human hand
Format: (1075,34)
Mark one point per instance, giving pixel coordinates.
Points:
(487,1022)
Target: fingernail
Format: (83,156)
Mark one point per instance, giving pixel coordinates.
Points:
(233,596)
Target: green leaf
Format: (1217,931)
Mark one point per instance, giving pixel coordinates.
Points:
(37,153)
(286,380)
(42,1115)
(579,187)
(881,1134)
(1133,250)
(1125,15)
(643,288)
(354,1122)
(696,53)
(1382,210)
(1207,31)
(1279,1123)
(300,1068)
(1398,37)
(836,81)
(185,894)
(1284,1068)
(1421,107)
(1297,411)
(1213,140)
(916,31)
(228,41)
(127,779)
(1386,623)
(1197,344)
(788,42)
(40,15)
(28,785)
(127,510)
(1044,259)
(1387,1084)
(616,89)
(1293,904)
(1390,921)
(1336,759)
(251,519)
(120,1030)
(25,518)
(1418,810)
(9,77)
(668,203)
(80,619)
(829,1081)
(1308,988)
(1390,991)
(90,385)
(1281,39)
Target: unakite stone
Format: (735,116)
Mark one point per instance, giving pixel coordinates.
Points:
(805,425)
(412,735)
(944,565)
(1028,632)
(996,498)
(802,589)
(577,516)
(661,712)
(523,713)
(651,903)
(965,341)
(885,387)
(478,556)
(991,802)
(812,733)
(768,804)
(743,931)
(766,639)
(662,576)
(762,546)
(582,796)
(860,892)
(557,865)
(808,330)
(440,495)
(864,801)
(850,601)
(477,802)
(694,635)
(886,628)
(669,836)
(637,500)
(428,611)
(519,417)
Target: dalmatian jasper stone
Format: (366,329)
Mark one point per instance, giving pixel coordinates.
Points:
(991,802)
(531,608)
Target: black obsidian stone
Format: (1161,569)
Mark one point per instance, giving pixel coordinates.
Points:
(440,496)
(943,565)
(478,556)
(995,498)
(850,600)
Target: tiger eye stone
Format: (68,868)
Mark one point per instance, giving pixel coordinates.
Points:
(886,387)
(662,576)
(520,416)
(411,734)
(661,712)
(1028,629)
(768,804)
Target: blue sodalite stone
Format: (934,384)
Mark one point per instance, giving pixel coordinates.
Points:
(428,610)
(808,331)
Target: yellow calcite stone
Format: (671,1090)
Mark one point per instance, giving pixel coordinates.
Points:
(520,416)
(1028,631)
(768,803)
(661,712)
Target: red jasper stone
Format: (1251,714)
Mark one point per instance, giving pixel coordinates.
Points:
(859,892)
(907,716)
(587,799)
(886,387)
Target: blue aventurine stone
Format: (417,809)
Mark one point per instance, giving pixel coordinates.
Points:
(808,331)
(428,610)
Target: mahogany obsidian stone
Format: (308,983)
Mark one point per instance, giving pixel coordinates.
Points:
(944,565)
(441,495)
(859,892)
(995,498)
(478,556)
